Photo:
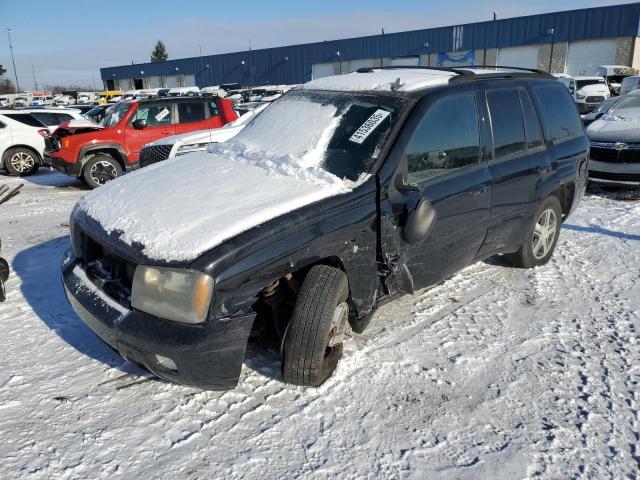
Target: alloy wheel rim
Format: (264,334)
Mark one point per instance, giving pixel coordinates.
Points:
(544,233)
(22,161)
(339,322)
(103,171)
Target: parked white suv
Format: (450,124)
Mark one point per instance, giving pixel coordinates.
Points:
(21,142)
(52,117)
(587,92)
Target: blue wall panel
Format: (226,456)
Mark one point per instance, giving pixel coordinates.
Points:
(292,64)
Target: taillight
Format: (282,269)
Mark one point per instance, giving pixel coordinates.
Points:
(44,132)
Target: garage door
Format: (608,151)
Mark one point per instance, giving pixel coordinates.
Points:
(404,61)
(364,63)
(583,58)
(319,70)
(524,57)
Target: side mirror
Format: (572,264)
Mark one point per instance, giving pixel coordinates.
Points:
(419,222)
(139,124)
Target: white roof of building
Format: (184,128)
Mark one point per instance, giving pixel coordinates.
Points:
(410,79)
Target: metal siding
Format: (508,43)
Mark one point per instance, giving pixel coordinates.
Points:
(269,66)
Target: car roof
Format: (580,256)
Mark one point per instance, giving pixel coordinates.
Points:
(412,79)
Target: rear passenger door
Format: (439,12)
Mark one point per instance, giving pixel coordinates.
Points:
(518,164)
(442,161)
(193,115)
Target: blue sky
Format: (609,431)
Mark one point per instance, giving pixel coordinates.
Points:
(68,41)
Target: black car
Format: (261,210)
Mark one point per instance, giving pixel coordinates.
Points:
(339,197)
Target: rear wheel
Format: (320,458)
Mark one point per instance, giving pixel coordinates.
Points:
(101,169)
(313,340)
(21,162)
(542,236)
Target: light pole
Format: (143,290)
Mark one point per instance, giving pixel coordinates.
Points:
(8,30)
(35,82)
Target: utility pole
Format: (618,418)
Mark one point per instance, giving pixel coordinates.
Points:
(8,30)
(93,80)
(33,70)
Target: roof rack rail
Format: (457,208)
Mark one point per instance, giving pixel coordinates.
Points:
(417,67)
(465,73)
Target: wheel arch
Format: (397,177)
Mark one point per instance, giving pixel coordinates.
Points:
(565,194)
(28,147)
(114,151)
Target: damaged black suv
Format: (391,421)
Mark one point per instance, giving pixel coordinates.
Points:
(342,195)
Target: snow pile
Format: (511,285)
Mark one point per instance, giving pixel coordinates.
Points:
(183,207)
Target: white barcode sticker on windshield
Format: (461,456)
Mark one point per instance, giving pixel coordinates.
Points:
(369,126)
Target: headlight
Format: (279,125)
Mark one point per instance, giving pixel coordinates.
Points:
(193,147)
(174,294)
(580,96)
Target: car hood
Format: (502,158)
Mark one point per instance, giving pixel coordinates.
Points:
(79,125)
(595,90)
(175,213)
(607,130)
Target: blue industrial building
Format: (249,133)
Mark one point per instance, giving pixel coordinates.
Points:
(574,42)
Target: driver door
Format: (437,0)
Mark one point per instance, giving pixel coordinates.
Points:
(160,123)
(441,166)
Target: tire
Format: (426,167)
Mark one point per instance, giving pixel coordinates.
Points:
(100,169)
(535,251)
(21,162)
(313,340)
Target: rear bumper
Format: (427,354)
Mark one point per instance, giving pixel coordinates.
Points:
(72,169)
(208,356)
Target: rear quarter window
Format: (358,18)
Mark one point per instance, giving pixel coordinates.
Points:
(26,119)
(559,112)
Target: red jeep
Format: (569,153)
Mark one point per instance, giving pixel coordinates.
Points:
(99,153)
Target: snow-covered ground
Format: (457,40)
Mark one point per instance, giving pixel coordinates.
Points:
(497,373)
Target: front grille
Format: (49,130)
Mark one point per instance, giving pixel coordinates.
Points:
(613,155)
(154,154)
(52,143)
(595,99)
(107,271)
(619,177)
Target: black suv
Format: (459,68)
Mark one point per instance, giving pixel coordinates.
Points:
(342,195)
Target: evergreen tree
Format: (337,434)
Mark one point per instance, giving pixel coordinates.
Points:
(159,53)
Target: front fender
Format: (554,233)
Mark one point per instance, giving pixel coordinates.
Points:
(340,229)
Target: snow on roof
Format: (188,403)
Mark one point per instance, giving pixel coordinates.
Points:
(410,79)
(381,80)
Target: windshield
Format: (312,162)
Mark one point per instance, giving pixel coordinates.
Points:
(583,83)
(114,114)
(606,105)
(340,133)
(628,108)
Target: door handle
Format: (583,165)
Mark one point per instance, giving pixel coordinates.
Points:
(541,170)
(478,192)
(166,133)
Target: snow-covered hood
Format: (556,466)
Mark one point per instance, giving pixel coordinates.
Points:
(607,129)
(600,90)
(178,213)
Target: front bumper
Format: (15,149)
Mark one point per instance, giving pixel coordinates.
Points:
(72,169)
(208,356)
(625,174)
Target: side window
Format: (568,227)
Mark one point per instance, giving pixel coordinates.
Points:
(507,122)
(532,129)
(46,118)
(446,139)
(559,112)
(62,117)
(189,112)
(213,109)
(155,115)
